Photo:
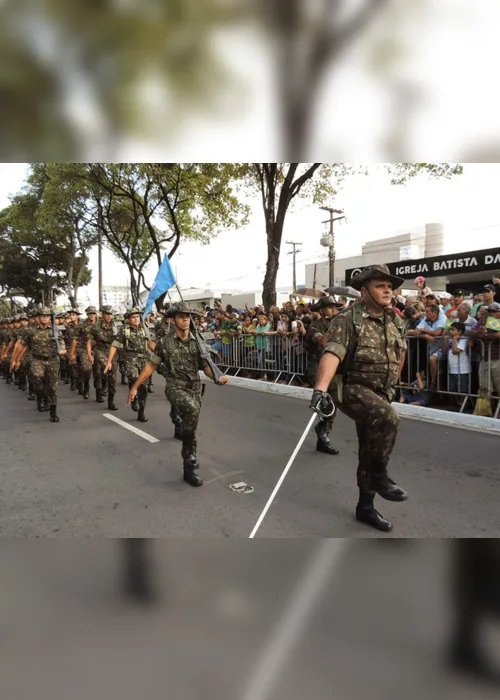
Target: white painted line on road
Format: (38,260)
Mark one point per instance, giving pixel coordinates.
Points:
(282,477)
(132,428)
(297,614)
(430,415)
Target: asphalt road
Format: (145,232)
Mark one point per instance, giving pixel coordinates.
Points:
(87,476)
(374,622)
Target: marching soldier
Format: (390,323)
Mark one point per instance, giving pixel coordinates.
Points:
(45,363)
(182,359)
(316,339)
(72,329)
(61,321)
(133,340)
(162,328)
(102,335)
(121,362)
(20,335)
(78,351)
(364,355)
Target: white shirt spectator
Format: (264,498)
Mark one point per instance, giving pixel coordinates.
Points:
(458,364)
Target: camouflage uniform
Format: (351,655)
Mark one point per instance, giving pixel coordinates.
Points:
(45,365)
(103,334)
(84,367)
(63,359)
(133,342)
(72,330)
(316,332)
(162,328)
(182,362)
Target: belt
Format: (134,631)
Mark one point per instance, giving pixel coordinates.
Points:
(43,357)
(186,385)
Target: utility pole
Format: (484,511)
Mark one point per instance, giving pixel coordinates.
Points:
(99,251)
(331,241)
(294,253)
(314,277)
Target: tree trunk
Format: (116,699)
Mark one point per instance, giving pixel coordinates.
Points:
(274,234)
(72,301)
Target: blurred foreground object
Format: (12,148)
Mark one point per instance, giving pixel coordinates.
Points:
(138,570)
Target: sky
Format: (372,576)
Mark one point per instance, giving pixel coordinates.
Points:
(466,205)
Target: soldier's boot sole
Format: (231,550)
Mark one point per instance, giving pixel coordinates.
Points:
(192,478)
(373,518)
(111,404)
(53,415)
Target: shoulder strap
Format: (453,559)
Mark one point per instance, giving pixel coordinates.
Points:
(357,320)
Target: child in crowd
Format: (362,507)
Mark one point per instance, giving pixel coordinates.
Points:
(416,394)
(458,359)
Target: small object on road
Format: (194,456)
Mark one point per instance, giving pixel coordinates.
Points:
(241,487)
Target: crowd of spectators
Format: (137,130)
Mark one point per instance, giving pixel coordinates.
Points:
(453,343)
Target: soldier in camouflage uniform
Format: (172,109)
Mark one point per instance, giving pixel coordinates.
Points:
(133,340)
(72,329)
(315,343)
(25,356)
(10,341)
(61,321)
(45,364)
(20,335)
(179,352)
(79,351)
(364,356)
(102,335)
(162,328)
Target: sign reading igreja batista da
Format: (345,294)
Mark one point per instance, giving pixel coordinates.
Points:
(475,261)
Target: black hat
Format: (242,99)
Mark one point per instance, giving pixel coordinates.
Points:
(373,272)
(181,308)
(489,288)
(324,302)
(459,293)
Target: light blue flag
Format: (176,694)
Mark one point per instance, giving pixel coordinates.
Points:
(165,280)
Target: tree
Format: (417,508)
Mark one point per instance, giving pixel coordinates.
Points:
(279,184)
(145,207)
(64,210)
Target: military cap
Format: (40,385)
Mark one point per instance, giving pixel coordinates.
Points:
(133,311)
(91,310)
(44,311)
(74,311)
(376,272)
(324,302)
(61,314)
(181,308)
(107,310)
(23,317)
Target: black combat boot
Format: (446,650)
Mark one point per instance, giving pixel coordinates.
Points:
(73,384)
(366,513)
(124,379)
(323,444)
(23,384)
(98,396)
(86,389)
(142,413)
(79,386)
(190,462)
(111,404)
(40,402)
(31,392)
(142,395)
(385,486)
(9,378)
(53,414)
(150,386)
(104,390)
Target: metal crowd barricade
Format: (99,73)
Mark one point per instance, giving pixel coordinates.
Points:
(273,356)
(478,374)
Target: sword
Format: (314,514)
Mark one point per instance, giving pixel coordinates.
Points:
(282,477)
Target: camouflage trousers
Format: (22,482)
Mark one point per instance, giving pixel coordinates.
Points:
(45,376)
(100,359)
(186,404)
(133,365)
(377,428)
(83,366)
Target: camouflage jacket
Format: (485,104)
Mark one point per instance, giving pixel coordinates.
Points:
(181,359)
(103,335)
(40,343)
(317,330)
(378,346)
(81,334)
(162,328)
(131,340)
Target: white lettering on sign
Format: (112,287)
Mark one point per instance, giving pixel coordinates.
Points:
(492,259)
(453,264)
(412,269)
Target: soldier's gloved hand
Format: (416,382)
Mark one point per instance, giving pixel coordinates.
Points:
(322,403)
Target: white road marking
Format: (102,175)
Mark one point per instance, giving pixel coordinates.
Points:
(132,428)
(287,632)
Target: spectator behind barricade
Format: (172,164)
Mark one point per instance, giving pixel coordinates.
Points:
(412,317)
(458,298)
(496,282)
(299,311)
(416,394)
(289,329)
(457,351)
(231,328)
(430,329)
(444,300)
(490,371)
(342,300)
(410,301)
(476,346)
(249,340)
(488,297)
(464,316)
